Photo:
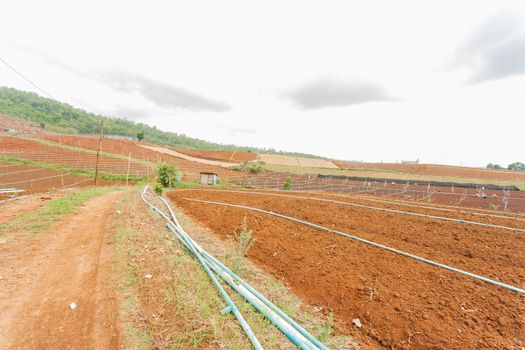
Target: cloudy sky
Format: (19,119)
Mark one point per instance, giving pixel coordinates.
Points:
(442,81)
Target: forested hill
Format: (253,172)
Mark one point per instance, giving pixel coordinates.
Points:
(63,118)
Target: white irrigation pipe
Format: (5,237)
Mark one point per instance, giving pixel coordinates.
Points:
(10,190)
(362,240)
(14,199)
(428,207)
(375,208)
(21,171)
(34,180)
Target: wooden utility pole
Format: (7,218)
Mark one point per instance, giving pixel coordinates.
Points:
(98,149)
(127,173)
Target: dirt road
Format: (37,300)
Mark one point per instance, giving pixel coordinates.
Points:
(41,276)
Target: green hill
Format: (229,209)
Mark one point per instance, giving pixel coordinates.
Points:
(63,118)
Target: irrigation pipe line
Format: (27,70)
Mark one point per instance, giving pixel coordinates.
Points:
(231,308)
(377,208)
(421,206)
(14,199)
(289,327)
(255,298)
(362,240)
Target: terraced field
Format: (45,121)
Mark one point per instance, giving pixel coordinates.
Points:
(400,302)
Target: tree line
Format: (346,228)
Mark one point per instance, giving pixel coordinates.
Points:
(516,166)
(63,118)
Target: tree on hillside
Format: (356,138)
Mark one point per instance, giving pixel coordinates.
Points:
(140,135)
(63,118)
(517,166)
(494,166)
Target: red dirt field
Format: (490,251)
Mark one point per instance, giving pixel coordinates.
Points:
(464,197)
(437,170)
(231,156)
(189,169)
(17,147)
(34,180)
(402,303)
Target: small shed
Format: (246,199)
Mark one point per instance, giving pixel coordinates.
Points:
(209,178)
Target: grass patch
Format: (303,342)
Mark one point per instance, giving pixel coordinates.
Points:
(80,172)
(39,221)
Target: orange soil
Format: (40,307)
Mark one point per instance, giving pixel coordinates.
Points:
(401,303)
(35,180)
(189,169)
(231,156)
(12,209)
(26,149)
(437,170)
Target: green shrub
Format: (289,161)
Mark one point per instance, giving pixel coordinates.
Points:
(158,189)
(256,168)
(167,175)
(287,184)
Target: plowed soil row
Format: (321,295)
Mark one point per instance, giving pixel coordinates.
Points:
(465,197)
(401,303)
(189,169)
(26,149)
(494,218)
(34,180)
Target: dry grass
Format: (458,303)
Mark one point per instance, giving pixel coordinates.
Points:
(178,307)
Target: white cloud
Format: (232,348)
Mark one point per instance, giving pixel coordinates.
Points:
(219,70)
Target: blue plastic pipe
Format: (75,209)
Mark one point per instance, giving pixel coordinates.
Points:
(231,307)
(287,325)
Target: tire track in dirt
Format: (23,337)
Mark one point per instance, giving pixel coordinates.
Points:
(40,277)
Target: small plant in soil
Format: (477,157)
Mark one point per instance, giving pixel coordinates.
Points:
(243,241)
(493,206)
(158,189)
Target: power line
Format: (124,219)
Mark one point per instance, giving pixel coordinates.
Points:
(26,78)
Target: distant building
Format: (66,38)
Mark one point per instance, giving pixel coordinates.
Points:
(209,178)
